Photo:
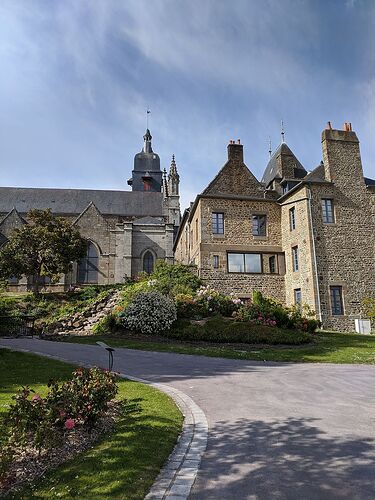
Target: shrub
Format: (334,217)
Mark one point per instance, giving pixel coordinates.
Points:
(176,278)
(42,422)
(188,307)
(213,302)
(220,330)
(266,311)
(149,312)
(105,325)
(369,307)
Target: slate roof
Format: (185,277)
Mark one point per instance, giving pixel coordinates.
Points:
(369,182)
(74,201)
(272,169)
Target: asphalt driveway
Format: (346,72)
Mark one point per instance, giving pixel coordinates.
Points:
(277,430)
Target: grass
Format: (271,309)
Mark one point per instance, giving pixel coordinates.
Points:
(326,347)
(125,462)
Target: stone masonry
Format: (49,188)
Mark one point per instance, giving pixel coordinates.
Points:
(326,264)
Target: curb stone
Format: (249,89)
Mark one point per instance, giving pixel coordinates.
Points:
(178,475)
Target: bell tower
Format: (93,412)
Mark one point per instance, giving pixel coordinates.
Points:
(146,175)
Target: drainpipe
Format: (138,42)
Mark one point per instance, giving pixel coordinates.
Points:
(314,256)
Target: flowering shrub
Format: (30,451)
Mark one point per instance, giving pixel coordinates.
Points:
(149,312)
(42,422)
(265,311)
(213,302)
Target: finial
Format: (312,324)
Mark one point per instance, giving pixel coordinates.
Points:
(173,162)
(147,113)
(282,132)
(270,145)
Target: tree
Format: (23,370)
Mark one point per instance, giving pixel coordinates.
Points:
(44,247)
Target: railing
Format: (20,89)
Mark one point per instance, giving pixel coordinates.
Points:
(16,326)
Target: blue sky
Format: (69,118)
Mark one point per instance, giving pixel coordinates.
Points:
(77,77)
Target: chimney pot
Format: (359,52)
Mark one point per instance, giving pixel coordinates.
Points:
(329,126)
(238,141)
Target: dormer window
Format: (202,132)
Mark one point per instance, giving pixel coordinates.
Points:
(146,186)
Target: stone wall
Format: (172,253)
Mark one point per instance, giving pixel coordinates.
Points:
(301,236)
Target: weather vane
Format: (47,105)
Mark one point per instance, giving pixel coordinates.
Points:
(270,145)
(147,113)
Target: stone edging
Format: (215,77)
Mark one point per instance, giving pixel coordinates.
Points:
(177,477)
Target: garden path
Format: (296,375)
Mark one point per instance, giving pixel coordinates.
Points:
(277,430)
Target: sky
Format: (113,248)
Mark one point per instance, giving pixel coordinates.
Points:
(77,77)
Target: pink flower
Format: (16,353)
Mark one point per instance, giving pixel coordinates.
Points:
(69,424)
(36,398)
(62,414)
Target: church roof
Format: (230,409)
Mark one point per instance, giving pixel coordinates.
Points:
(74,201)
(273,171)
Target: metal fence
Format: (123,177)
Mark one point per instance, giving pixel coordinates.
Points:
(16,326)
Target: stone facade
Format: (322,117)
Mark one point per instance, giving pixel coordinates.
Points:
(125,230)
(327,264)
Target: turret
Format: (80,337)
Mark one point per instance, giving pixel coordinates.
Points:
(146,175)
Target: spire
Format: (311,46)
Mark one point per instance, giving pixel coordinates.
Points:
(173,178)
(147,144)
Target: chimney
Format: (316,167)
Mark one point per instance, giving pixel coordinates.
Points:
(235,152)
(342,158)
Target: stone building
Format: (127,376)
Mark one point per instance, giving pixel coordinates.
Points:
(297,236)
(126,231)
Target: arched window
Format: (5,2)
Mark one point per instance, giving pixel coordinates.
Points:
(148,262)
(87,271)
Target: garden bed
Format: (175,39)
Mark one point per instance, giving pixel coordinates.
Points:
(125,458)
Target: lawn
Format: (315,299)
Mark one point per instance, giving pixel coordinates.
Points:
(326,347)
(125,462)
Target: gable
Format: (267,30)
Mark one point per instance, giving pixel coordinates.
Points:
(234,179)
(11,221)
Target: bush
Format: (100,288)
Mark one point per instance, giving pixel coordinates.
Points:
(171,279)
(42,422)
(266,311)
(105,325)
(220,330)
(149,312)
(213,302)
(369,307)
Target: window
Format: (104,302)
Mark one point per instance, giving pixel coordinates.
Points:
(337,305)
(217,223)
(216,261)
(295,258)
(244,263)
(292,218)
(146,186)
(297,296)
(327,210)
(148,262)
(259,225)
(87,271)
(272,264)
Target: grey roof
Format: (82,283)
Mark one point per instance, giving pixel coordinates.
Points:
(317,174)
(272,169)
(74,201)
(369,182)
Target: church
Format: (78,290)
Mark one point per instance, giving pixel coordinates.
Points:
(126,231)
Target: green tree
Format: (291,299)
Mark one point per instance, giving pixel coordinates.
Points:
(44,247)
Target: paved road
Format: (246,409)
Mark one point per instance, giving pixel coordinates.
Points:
(277,430)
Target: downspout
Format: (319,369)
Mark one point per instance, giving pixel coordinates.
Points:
(314,256)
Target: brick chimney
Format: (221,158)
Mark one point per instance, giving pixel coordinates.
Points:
(235,152)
